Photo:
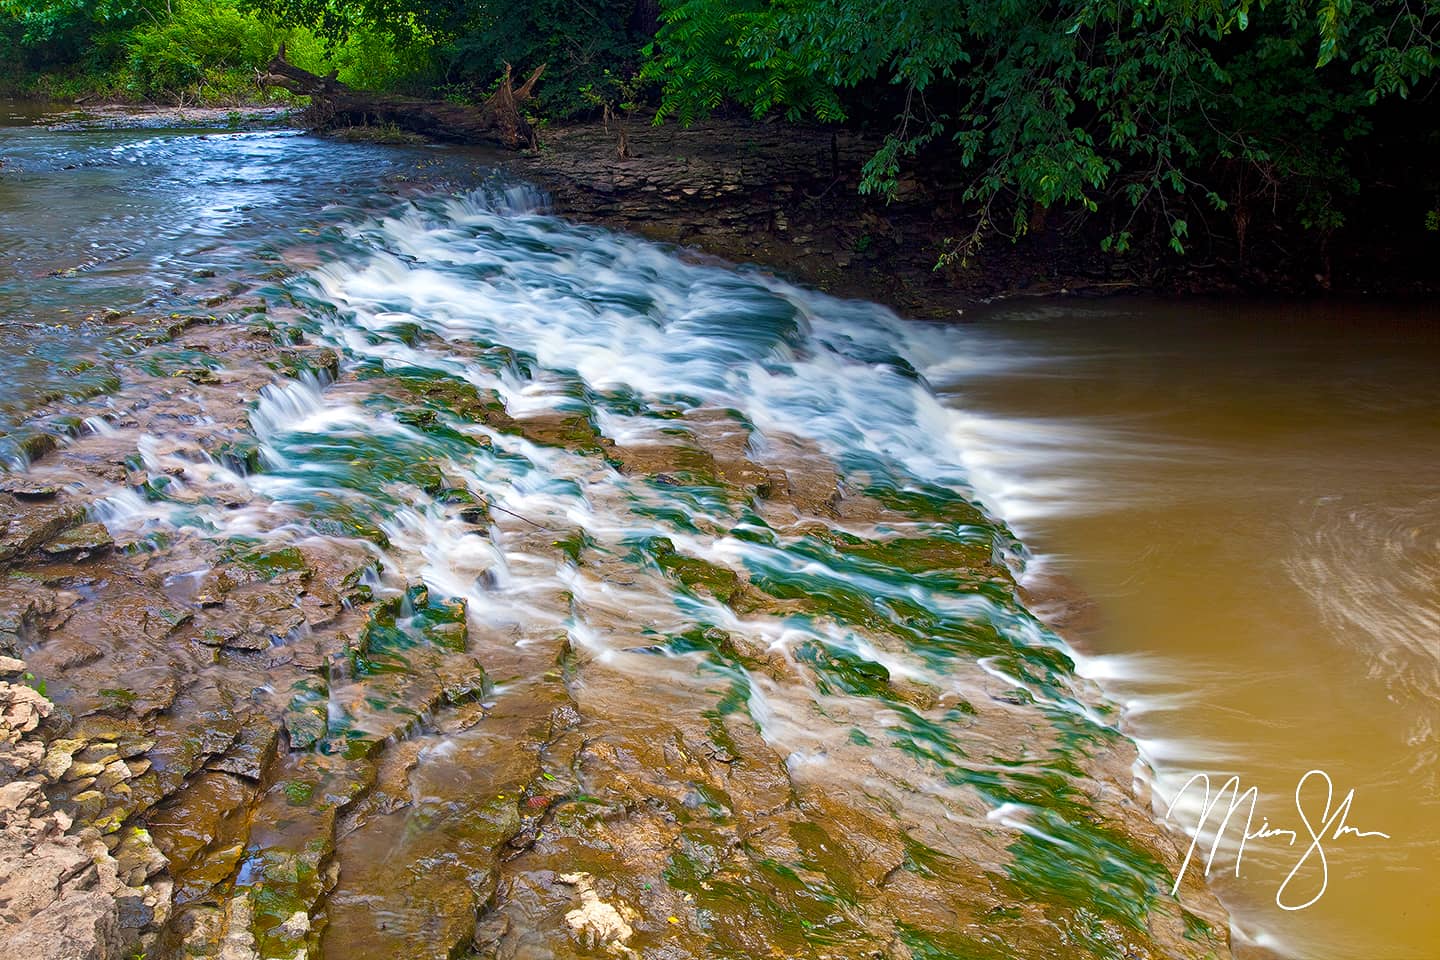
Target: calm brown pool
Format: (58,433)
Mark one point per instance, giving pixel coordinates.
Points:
(1239,507)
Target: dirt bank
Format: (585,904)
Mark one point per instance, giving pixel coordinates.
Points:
(786,197)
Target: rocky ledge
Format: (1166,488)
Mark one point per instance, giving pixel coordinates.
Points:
(67,890)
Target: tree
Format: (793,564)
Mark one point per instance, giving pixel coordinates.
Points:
(1170,108)
(66,31)
(473,41)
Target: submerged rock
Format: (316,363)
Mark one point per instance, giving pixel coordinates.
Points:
(252,752)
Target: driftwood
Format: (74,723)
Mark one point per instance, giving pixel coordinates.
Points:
(333,104)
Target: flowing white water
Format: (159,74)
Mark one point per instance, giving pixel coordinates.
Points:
(586,439)
(485,300)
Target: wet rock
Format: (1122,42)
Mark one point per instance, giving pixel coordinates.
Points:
(289,873)
(35,441)
(213,588)
(197,829)
(183,746)
(135,617)
(489,934)
(253,618)
(134,912)
(26,487)
(88,804)
(199,929)
(295,927)
(113,773)
(101,753)
(462,679)
(23,608)
(79,543)
(138,858)
(32,526)
(320,607)
(129,737)
(241,455)
(306,715)
(469,801)
(69,652)
(252,752)
(322,362)
(142,692)
(11,666)
(239,940)
(285,564)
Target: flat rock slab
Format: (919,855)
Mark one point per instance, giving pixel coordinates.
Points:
(24,526)
(28,488)
(86,540)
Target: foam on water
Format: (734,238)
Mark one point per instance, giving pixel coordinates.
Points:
(566,318)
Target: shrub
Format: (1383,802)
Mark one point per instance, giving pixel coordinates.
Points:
(196,40)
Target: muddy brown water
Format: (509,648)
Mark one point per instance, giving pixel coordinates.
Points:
(1238,505)
(488,585)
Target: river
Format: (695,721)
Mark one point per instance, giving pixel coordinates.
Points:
(573,571)
(1245,497)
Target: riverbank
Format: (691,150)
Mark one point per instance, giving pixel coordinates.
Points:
(786,196)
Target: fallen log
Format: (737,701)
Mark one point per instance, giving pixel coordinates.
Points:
(333,104)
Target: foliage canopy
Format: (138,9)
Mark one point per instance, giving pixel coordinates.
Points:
(1160,102)
(1165,116)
